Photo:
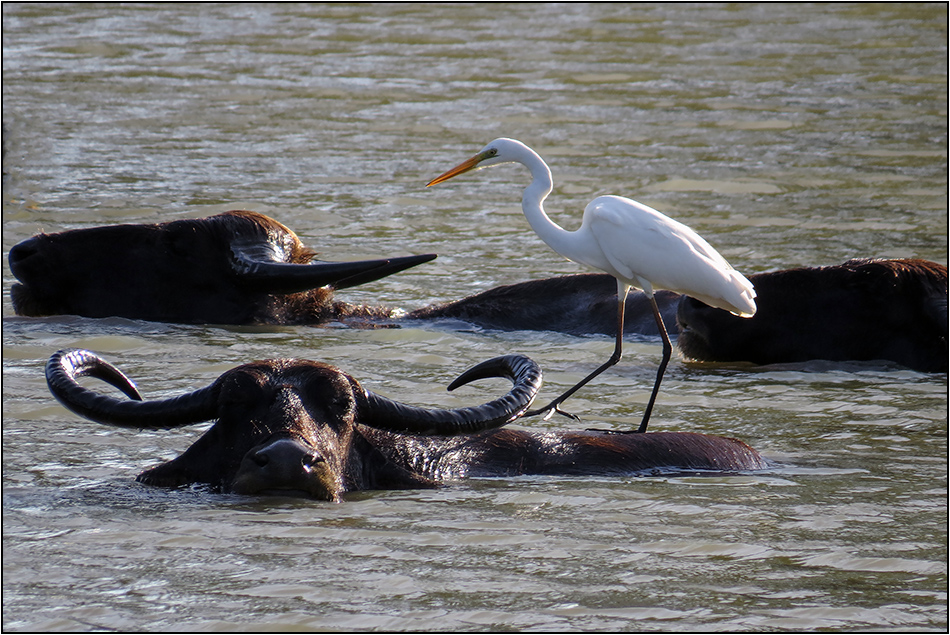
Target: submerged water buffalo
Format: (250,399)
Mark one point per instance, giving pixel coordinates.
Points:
(233,268)
(242,267)
(302,428)
(861,310)
(245,268)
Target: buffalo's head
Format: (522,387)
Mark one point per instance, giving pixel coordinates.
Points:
(233,268)
(286,426)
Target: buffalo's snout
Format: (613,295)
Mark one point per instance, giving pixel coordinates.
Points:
(30,263)
(22,252)
(691,313)
(285,458)
(286,467)
(697,322)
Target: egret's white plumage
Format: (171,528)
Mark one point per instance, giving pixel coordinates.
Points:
(636,244)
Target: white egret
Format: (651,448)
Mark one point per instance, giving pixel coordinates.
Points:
(636,244)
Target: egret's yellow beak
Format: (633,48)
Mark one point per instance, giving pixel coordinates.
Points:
(461,168)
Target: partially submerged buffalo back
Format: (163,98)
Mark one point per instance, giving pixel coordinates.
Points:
(518,452)
(579,304)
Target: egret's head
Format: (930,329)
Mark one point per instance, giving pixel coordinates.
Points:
(498,151)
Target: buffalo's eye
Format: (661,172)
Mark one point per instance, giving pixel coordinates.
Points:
(340,404)
(241,388)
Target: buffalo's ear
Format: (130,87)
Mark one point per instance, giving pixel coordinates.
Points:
(170,474)
(201,463)
(376,471)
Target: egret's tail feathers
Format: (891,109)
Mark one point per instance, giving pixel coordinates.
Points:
(738,296)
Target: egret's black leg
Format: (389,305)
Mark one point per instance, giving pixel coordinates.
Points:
(555,406)
(667,352)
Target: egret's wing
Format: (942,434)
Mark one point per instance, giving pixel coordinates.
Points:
(651,250)
(639,242)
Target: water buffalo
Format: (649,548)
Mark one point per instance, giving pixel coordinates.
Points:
(302,428)
(242,267)
(861,310)
(233,268)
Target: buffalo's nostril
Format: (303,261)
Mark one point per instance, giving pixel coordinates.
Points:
(284,456)
(260,458)
(309,462)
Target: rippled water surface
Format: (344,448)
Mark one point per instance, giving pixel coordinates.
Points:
(787,135)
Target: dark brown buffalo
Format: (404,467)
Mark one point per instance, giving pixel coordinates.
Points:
(892,310)
(234,268)
(302,428)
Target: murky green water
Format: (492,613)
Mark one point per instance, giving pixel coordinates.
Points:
(785,134)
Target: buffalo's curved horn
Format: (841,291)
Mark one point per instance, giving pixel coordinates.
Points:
(524,373)
(267,274)
(65,366)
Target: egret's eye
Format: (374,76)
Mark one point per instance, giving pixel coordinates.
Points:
(491,152)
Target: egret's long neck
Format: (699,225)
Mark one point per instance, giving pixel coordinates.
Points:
(533,199)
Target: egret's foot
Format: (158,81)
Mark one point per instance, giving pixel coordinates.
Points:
(549,410)
(612,431)
(565,413)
